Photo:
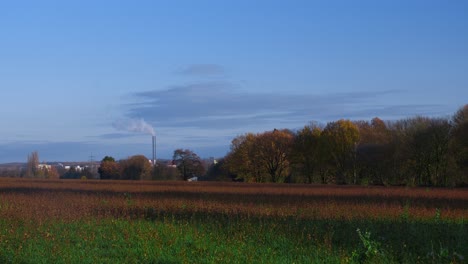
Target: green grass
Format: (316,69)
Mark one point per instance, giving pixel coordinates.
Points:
(233,239)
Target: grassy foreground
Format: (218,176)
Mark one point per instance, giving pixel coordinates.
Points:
(119,222)
(231,241)
(140,241)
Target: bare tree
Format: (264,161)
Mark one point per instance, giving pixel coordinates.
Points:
(32,165)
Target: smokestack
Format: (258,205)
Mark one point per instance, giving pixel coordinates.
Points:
(154,149)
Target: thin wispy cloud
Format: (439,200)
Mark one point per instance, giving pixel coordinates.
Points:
(233,72)
(206,116)
(202,70)
(392,112)
(217,105)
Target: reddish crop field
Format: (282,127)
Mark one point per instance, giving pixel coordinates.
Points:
(84,221)
(68,200)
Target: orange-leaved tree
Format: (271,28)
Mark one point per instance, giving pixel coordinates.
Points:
(109,169)
(341,139)
(261,157)
(136,167)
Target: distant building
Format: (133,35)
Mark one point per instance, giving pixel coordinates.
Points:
(211,160)
(77,168)
(172,164)
(44,167)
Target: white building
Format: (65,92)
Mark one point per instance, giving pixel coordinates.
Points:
(44,167)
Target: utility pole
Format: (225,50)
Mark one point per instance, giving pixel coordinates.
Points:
(91,159)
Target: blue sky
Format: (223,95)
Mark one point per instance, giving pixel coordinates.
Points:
(73,73)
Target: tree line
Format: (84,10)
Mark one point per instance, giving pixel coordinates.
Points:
(418,151)
(184,165)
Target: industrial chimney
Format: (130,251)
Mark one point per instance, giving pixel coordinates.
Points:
(154,150)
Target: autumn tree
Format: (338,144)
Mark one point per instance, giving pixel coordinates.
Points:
(459,144)
(51,173)
(273,153)
(373,152)
(34,170)
(414,151)
(415,133)
(434,143)
(218,171)
(166,172)
(421,150)
(242,160)
(306,153)
(261,157)
(188,163)
(341,138)
(137,167)
(71,173)
(109,169)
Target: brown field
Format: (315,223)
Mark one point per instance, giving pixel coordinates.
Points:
(68,200)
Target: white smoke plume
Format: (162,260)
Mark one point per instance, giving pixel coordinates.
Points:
(134,125)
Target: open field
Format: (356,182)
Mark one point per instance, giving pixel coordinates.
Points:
(205,222)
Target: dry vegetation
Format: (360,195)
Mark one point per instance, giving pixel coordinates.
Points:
(83,221)
(42,200)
